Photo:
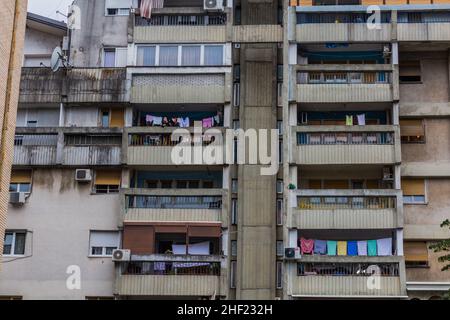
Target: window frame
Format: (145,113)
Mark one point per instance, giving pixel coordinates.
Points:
(13,243)
(104,248)
(417,202)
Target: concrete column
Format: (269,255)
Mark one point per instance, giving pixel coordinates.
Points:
(395,113)
(61,115)
(60,148)
(126,179)
(399,244)
(293,114)
(293,238)
(227,115)
(397,177)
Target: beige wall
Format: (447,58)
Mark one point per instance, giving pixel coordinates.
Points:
(434,86)
(12,26)
(437,146)
(58,217)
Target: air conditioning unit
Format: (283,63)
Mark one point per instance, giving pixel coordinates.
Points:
(83,175)
(213,5)
(17,198)
(121,255)
(292,253)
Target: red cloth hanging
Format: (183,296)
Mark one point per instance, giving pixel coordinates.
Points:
(307,245)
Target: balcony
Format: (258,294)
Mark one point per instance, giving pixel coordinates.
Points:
(174,205)
(165,28)
(423,26)
(348,277)
(154,146)
(326,145)
(346,209)
(165,276)
(343,83)
(41,85)
(35,149)
(171,86)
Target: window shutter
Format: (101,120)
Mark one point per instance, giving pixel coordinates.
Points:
(104,239)
(415,251)
(117,118)
(118,4)
(107,177)
(21,176)
(412,128)
(409,68)
(413,187)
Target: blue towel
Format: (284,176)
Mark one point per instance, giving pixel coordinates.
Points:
(320,247)
(352,248)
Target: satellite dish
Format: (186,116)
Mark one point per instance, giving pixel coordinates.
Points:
(57,60)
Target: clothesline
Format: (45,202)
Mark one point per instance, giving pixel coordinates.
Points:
(182,122)
(379,247)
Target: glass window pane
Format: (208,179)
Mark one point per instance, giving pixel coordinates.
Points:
(7,243)
(109,250)
(213,55)
(190,56)
(13,187)
(25,187)
(96,251)
(168,55)
(19,246)
(146,56)
(109,58)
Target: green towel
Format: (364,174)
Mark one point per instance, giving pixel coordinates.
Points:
(331,247)
(372,248)
(349,120)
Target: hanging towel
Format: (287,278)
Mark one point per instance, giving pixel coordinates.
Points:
(349,120)
(331,247)
(157,121)
(186,122)
(217,120)
(342,248)
(148,118)
(208,123)
(372,248)
(307,245)
(362,248)
(148,5)
(352,248)
(384,247)
(361,119)
(320,247)
(159,266)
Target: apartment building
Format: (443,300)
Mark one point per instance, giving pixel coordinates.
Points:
(12,22)
(100,210)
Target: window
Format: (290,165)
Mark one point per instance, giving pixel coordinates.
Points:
(105,118)
(410,71)
(107,181)
(190,55)
(213,55)
(280,127)
(412,131)
(280,248)
(112,118)
(168,56)
(20,181)
(233,248)
(279,274)
(14,243)
(146,56)
(103,243)
(234,209)
(118,7)
(280,186)
(109,58)
(413,191)
(279,212)
(233,267)
(234,185)
(416,254)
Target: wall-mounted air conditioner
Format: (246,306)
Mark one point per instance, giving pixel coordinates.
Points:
(121,255)
(83,175)
(213,5)
(292,253)
(17,198)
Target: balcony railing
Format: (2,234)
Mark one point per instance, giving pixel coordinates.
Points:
(351,202)
(35,149)
(182,20)
(342,77)
(347,269)
(174,202)
(164,268)
(339,138)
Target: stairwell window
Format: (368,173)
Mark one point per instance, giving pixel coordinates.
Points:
(107,181)
(412,131)
(103,243)
(14,243)
(413,191)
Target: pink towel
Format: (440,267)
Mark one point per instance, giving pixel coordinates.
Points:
(208,122)
(307,245)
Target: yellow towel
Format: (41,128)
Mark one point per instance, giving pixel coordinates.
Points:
(342,248)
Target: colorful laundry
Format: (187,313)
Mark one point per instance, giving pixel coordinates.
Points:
(372,248)
(349,120)
(157,121)
(352,248)
(331,247)
(342,248)
(208,123)
(307,246)
(320,247)
(362,248)
(384,247)
(361,119)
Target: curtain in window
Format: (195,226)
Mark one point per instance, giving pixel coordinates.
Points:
(213,55)
(190,56)
(110,59)
(19,247)
(168,55)
(146,56)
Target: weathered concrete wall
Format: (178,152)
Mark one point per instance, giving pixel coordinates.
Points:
(58,217)
(45,117)
(39,47)
(81,117)
(97,31)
